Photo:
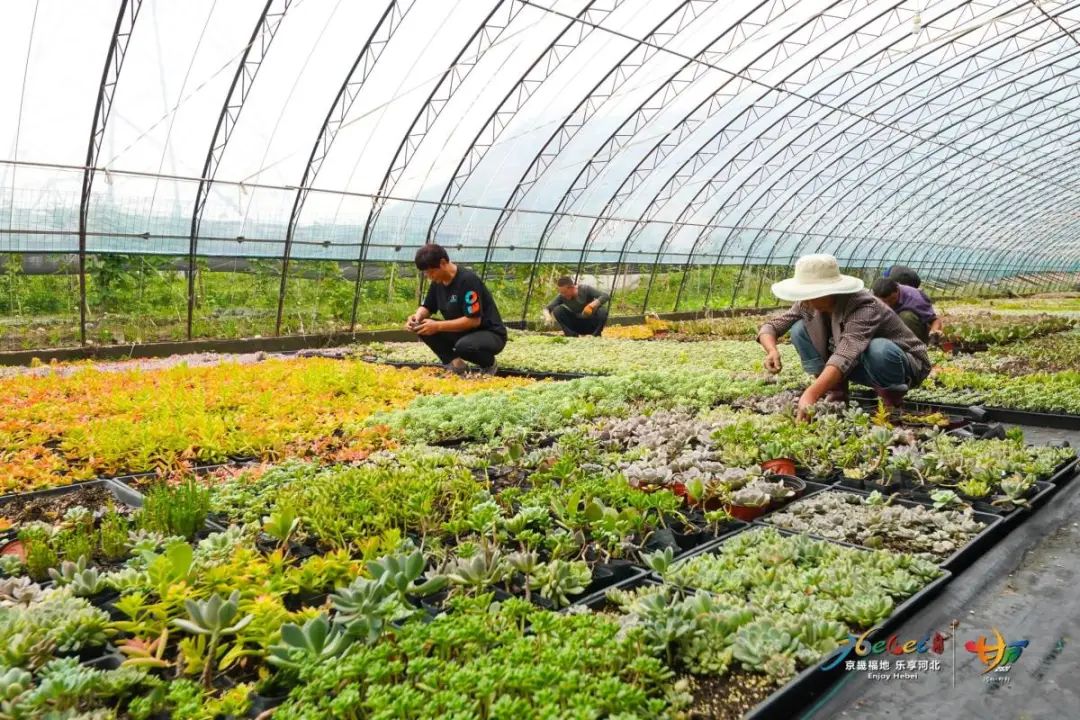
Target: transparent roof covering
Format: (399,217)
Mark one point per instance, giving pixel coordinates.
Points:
(936,133)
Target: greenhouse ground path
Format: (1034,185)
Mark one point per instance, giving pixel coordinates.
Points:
(1026,587)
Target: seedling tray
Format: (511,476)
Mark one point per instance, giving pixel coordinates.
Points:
(1065,472)
(786,702)
(501,372)
(963,557)
(1059,421)
(813,682)
(121,492)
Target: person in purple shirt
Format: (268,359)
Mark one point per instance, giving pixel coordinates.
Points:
(913,307)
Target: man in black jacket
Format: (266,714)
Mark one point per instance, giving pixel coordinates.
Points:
(471,329)
(579,309)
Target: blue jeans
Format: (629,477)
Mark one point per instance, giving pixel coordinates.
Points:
(882,365)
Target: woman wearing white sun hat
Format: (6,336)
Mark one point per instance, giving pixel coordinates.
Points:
(842,332)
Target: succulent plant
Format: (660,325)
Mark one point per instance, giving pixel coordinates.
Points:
(750,497)
(477,572)
(316,639)
(18,591)
(945,499)
(1013,489)
(865,611)
(557,579)
(84,581)
(13,683)
(763,647)
(397,572)
(364,608)
(213,618)
(10,565)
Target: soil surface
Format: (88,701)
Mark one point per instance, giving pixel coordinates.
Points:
(728,697)
(51,508)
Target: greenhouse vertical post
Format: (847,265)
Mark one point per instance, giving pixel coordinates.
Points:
(246,70)
(110,75)
(358,74)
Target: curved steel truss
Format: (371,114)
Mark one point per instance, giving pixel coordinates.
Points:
(687,133)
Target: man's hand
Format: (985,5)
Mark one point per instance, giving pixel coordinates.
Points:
(427,327)
(547,318)
(772,362)
(806,401)
(588,309)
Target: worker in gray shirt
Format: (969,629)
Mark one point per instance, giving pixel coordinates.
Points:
(579,309)
(842,332)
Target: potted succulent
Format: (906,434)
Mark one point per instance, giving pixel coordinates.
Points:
(779,458)
(748,503)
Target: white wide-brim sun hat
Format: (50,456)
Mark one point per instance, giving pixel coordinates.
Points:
(816,276)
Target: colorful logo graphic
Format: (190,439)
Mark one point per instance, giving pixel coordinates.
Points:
(996,656)
(472,303)
(861,646)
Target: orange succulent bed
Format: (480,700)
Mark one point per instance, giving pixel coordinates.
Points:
(57,429)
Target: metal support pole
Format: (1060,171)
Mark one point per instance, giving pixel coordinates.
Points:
(110,75)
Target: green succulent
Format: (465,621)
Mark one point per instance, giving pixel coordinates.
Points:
(865,611)
(558,579)
(763,647)
(399,573)
(317,639)
(84,581)
(13,683)
(213,618)
(364,608)
(1014,488)
(944,499)
(10,565)
(660,561)
(281,524)
(476,573)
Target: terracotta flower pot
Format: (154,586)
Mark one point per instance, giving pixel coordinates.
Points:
(16,548)
(746,513)
(779,466)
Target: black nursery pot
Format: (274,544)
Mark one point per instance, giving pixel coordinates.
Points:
(878,484)
(260,703)
(295,601)
(853,483)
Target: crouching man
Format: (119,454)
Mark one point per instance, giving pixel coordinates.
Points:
(842,333)
(471,329)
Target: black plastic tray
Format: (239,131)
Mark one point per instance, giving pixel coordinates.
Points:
(1059,421)
(501,372)
(963,557)
(1065,472)
(813,682)
(121,492)
(787,701)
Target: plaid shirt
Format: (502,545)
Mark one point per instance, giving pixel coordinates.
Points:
(857,319)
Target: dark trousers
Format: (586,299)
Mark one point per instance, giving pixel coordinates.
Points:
(478,347)
(574,325)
